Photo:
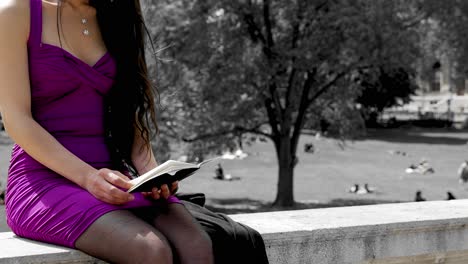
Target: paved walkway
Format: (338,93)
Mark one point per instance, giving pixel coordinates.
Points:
(5,153)
(3,225)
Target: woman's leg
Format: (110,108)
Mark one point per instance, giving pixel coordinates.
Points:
(190,241)
(121,237)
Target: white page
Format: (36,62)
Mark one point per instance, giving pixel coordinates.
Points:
(170,166)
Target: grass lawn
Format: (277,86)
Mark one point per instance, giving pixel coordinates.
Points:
(322,178)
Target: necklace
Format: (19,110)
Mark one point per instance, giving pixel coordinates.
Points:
(84,22)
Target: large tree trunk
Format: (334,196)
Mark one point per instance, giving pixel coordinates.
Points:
(285,193)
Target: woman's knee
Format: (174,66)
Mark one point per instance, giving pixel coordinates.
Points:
(121,237)
(192,243)
(202,244)
(153,250)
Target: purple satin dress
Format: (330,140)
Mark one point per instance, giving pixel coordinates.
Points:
(67,100)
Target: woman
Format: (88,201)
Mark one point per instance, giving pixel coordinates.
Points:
(75,98)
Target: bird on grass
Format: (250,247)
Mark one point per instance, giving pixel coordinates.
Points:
(419,197)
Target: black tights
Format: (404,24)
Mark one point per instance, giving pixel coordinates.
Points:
(129,237)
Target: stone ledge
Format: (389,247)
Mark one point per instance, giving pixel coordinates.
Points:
(20,250)
(364,234)
(387,233)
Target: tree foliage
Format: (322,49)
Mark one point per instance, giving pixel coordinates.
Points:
(270,67)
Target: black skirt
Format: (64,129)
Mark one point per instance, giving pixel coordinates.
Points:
(233,242)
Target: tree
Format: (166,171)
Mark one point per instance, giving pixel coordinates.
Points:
(268,67)
(391,87)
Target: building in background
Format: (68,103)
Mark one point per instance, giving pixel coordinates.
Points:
(442,95)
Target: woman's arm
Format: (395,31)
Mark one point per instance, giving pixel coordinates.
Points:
(143,159)
(142,156)
(15,108)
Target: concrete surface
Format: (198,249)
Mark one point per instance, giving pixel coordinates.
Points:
(363,234)
(388,233)
(3,224)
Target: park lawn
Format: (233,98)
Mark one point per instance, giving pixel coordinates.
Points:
(323,178)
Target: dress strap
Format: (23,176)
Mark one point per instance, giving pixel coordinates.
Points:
(35,31)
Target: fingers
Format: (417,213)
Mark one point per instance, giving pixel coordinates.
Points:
(116,196)
(112,195)
(155,193)
(174,187)
(117,179)
(165,193)
(107,184)
(146,194)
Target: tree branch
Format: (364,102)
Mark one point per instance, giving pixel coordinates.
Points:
(256,34)
(255,130)
(423,14)
(304,104)
(310,21)
(337,77)
(268,26)
(290,88)
(294,45)
(269,54)
(278,109)
(272,117)
(254,31)
(325,87)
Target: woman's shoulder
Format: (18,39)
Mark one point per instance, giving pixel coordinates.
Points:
(14,14)
(15,7)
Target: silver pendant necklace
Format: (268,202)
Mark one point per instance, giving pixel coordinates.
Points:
(84,22)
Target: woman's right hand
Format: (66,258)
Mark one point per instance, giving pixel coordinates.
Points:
(105,184)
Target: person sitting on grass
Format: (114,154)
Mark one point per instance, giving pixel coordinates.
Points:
(2,197)
(419,197)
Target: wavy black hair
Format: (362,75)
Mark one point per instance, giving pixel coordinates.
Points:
(130,105)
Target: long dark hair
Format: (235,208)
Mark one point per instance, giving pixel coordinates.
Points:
(129,106)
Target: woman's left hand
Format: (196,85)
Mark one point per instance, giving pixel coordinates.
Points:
(163,192)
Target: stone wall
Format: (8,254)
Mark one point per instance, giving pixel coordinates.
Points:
(424,232)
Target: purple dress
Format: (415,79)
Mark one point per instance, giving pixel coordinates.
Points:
(67,100)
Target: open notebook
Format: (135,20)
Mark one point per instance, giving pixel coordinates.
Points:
(166,173)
